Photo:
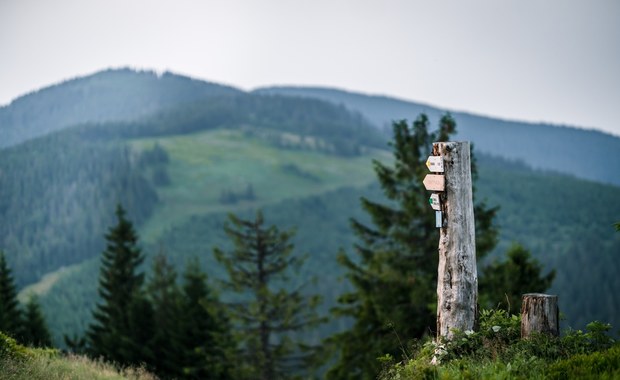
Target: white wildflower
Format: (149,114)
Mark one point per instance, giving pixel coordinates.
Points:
(496,328)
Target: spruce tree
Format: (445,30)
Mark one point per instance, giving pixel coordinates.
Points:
(268,308)
(205,336)
(165,296)
(394,277)
(10,315)
(502,283)
(123,319)
(34,331)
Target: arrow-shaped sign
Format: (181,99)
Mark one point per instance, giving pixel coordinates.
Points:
(434,202)
(435,164)
(434,182)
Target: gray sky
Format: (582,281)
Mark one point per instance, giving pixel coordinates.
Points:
(555,61)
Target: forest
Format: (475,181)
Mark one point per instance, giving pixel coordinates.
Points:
(192,183)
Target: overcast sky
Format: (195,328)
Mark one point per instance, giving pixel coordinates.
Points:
(555,61)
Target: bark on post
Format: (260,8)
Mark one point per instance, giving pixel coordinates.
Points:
(457,282)
(540,314)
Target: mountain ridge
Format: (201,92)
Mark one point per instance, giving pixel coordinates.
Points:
(542,146)
(128,95)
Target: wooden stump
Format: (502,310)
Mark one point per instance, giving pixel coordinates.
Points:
(540,314)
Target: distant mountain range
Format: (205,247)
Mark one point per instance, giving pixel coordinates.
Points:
(181,153)
(126,95)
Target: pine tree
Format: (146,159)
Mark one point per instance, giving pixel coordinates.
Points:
(395,277)
(205,337)
(268,310)
(123,320)
(503,283)
(10,315)
(165,296)
(34,331)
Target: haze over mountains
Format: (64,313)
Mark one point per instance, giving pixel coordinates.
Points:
(584,153)
(117,95)
(180,153)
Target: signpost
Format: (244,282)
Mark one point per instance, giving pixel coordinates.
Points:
(457,278)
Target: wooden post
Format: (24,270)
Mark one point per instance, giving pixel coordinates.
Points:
(457,282)
(539,314)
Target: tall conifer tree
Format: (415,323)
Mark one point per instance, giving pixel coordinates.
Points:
(10,315)
(205,336)
(268,309)
(165,296)
(35,331)
(123,320)
(394,277)
(503,283)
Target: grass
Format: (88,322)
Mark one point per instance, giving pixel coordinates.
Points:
(205,164)
(24,363)
(66,367)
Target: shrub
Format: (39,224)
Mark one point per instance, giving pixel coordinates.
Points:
(10,349)
(595,365)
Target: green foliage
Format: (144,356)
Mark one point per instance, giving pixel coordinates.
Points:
(266,310)
(10,349)
(205,337)
(55,197)
(547,213)
(395,278)
(595,365)
(497,351)
(35,331)
(503,283)
(165,298)
(123,323)
(10,316)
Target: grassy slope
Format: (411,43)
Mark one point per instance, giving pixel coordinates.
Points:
(205,164)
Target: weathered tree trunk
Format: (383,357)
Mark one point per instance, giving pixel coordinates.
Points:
(540,314)
(457,281)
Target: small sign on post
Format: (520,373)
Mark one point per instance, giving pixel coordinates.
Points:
(435,164)
(434,202)
(434,182)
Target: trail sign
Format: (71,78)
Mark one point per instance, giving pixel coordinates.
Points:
(438,219)
(434,202)
(434,182)
(435,164)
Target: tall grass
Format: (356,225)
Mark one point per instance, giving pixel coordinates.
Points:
(59,367)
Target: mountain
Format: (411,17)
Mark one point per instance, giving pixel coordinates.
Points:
(587,154)
(111,95)
(180,169)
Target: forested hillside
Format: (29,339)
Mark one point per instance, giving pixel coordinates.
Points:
(180,163)
(584,153)
(111,95)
